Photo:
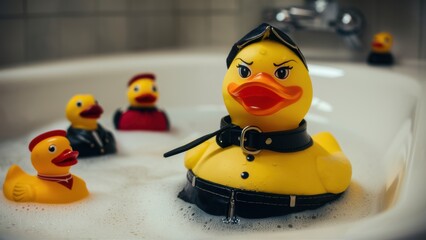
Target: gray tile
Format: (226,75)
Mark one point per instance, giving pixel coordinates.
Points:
(43,6)
(250,15)
(137,32)
(11,7)
(151,31)
(320,40)
(112,5)
(12,42)
(112,34)
(225,5)
(224,30)
(151,5)
(78,36)
(287,3)
(167,33)
(61,6)
(194,30)
(161,31)
(194,4)
(78,6)
(42,36)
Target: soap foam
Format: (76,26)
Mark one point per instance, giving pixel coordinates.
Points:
(134,194)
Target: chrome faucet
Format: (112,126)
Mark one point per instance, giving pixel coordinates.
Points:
(319,15)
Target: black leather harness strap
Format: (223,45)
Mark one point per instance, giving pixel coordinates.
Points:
(252,140)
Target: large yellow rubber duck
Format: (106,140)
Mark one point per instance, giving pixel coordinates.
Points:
(52,157)
(86,135)
(262,162)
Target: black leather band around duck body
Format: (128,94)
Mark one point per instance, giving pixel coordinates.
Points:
(143,109)
(216,199)
(254,139)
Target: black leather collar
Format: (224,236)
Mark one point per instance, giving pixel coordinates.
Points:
(142,109)
(254,140)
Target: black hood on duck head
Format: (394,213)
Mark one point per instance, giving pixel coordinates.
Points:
(263,32)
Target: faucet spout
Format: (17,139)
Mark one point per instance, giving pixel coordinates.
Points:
(319,15)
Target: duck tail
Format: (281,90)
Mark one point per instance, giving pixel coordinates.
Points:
(327,141)
(13,172)
(10,180)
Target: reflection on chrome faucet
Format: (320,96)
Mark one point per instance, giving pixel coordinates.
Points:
(319,15)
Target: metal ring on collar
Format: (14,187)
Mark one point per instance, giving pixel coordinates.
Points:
(243,140)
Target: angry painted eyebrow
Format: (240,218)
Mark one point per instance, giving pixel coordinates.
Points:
(279,64)
(245,61)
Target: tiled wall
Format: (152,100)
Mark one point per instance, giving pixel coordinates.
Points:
(40,30)
(45,30)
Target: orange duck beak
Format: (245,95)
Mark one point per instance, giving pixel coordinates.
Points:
(377,45)
(66,158)
(146,98)
(262,95)
(94,111)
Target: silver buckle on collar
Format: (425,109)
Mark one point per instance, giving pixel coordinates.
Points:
(243,139)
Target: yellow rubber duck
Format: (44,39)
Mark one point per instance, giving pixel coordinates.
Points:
(277,168)
(142,114)
(381,49)
(83,111)
(86,135)
(142,91)
(382,42)
(52,157)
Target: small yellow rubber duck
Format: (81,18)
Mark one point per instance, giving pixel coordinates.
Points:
(381,49)
(142,114)
(52,157)
(86,135)
(262,162)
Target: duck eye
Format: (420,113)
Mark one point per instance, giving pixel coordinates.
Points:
(282,72)
(52,148)
(244,71)
(79,104)
(154,88)
(136,88)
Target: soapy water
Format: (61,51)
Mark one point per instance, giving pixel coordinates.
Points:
(133,194)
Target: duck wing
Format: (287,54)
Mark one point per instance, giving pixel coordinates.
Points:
(23,192)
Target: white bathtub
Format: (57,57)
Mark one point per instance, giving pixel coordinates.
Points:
(377,114)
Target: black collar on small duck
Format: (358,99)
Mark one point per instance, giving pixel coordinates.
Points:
(142,109)
(254,140)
